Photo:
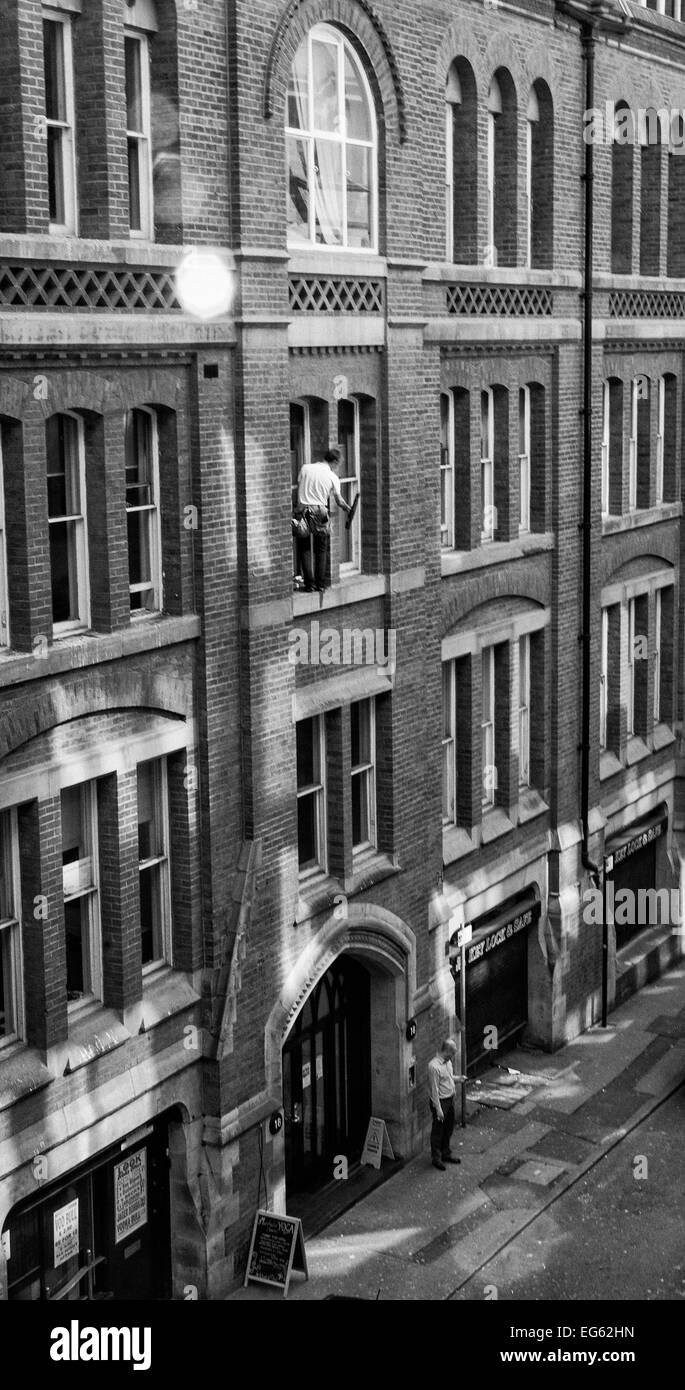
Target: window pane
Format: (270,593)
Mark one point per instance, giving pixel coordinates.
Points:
(134,102)
(139,567)
(149,827)
(7,1025)
(73,828)
(134,179)
(56,204)
(53,61)
(361,733)
(446,700)
(328,172)
(307,753)
(75,922)
(298,189)
(298,92)
(357,113)
(150,935)
(325,81)
(138,458)
(358,196)
(360,809)
(63,573)
(307,830)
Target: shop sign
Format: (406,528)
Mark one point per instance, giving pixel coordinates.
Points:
(491,941)
(130,1195)
(65,1233)
(646,837)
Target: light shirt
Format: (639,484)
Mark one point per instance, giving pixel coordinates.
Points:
(441,1084)
(315,484)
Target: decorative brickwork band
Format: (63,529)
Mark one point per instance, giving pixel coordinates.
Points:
(647,304)
(499,299)
(324,294)
(76,287)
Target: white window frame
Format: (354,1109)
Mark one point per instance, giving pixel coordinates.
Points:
(143,140)
(161,863)
(604,680)
(532,118)
(308,136)
(606,445)
(524,459)
(4,586)
(449,743)
(656,703)
(630,685)
(353,481)
(77,529)
(367,771)
(154,585)
(632,448)
(66,126)
(661,423)
(524,710)
(447,462)
(74,887)
(489,785)
(318,789)
(487,465)
(10,928)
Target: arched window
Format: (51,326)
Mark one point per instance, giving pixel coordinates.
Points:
(331,146)
(4,599)
(666,439)
(676,199)
(539,177)
(639,474)
(622,191)
(142,511)
(501,163)
(461,172)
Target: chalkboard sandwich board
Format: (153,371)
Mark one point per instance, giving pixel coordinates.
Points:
(276,1249)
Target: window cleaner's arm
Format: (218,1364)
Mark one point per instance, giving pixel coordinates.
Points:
(351,513)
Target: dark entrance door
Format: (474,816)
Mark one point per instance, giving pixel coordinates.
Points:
(327,1077)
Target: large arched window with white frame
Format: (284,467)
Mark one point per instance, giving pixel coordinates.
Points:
(66,489)
(332,146)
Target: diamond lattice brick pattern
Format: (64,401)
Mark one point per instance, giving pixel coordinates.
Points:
(515,300)
(646,304)
(328,294)
(33,286)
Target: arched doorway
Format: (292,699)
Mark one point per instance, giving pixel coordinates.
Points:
(327,1076)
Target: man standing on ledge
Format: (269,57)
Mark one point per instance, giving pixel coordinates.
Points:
(441,1088)
(315,484)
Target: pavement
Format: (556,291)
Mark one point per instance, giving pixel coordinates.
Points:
(536,1125)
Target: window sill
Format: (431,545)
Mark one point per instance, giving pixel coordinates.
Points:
(494,824)
(495,553)
(93,1031)
(502,275)
(456,843)
(22,1073)
(647,516)
(609,765)
(89,648)
(636,750)
(315,260)
(662,737)
(320,891)
(531,804)
(354,589)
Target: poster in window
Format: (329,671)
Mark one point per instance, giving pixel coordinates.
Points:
(130,1195)
(306,1075)
(65,1233)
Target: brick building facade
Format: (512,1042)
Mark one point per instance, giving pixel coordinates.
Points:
(240,823)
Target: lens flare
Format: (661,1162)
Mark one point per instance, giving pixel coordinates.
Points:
(205,284)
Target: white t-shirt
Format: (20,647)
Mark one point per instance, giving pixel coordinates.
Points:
(315,484)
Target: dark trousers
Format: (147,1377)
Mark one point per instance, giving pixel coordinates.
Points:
(314,575)
(441,1131)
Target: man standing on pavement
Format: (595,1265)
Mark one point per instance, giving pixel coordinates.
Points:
(441,1089)
(315,484)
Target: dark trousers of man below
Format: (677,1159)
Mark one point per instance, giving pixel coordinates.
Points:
(315,574)
(441,1131)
